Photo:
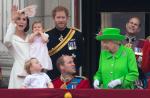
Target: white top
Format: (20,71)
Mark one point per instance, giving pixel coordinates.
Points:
(37,80)
(19,49)
(39,50)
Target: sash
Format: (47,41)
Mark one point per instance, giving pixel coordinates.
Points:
(58,47)
(74,83)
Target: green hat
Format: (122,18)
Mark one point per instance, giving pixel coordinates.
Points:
(110,34)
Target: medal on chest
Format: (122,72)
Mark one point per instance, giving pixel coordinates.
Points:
(72,44)
(65,80)
(129,45)
(61,38)
(63,86)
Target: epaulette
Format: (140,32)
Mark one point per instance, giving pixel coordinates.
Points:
(81,77)
(76,29)
(47,30)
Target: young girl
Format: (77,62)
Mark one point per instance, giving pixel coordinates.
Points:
(38,45)
(36,78)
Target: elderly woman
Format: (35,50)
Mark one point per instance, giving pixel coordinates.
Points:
(117,65)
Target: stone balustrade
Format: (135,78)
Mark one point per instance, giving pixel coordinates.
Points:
(6,62)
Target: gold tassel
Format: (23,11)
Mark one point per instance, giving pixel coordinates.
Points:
(63,86)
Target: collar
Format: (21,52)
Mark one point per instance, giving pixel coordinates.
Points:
(117,54)
(66,78)
(38,73)
(63,32)
(130,38)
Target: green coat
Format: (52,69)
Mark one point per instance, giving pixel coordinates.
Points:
(122,65)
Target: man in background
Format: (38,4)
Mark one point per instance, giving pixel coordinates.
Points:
(133,27)
(63,40)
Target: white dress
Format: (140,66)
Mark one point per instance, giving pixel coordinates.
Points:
(19,49)
(37,80)
(39,50)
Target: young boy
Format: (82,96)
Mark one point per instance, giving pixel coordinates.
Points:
(36,78)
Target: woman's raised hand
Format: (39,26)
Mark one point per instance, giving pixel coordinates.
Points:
(14,13)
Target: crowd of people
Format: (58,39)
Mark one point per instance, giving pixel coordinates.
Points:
(51,59)
(36,54)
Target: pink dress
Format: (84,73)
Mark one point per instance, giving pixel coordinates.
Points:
(39,50)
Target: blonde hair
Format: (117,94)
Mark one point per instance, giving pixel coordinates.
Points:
(36,22)
(28,65)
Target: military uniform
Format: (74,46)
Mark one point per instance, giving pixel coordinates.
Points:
(134,43)
(76,83)
(130,41)
(72,47)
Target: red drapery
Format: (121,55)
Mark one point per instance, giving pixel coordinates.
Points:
(84,93)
